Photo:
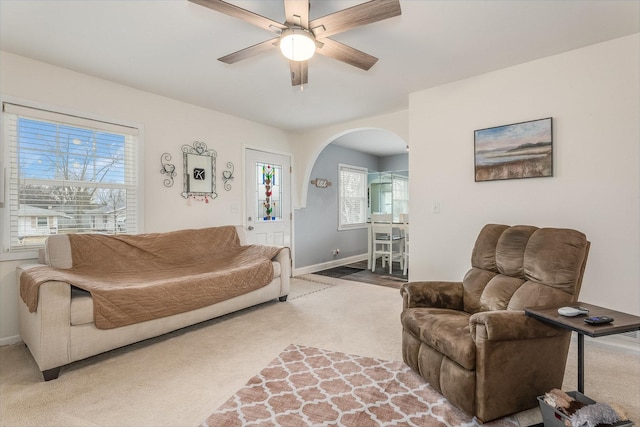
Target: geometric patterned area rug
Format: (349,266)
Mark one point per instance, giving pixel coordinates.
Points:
(307,386)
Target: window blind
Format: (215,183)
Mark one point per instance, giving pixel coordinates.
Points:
(67,174)
(352,196)
(400,196)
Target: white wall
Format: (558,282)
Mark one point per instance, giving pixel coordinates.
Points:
(168,124)
(593,95)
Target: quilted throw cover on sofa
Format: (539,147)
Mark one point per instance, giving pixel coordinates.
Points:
(134,278)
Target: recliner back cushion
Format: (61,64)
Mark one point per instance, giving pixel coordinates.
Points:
(520,266)
(555,257)
(498,292)
(532,294)
(474,283)
(484,251)
(510,250)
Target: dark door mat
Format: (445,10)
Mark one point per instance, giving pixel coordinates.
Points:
(358,272)
(338,272)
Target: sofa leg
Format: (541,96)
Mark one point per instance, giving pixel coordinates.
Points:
(51,374)
(283,298)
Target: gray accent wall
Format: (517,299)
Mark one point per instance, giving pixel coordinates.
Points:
(316,226)
(399,162)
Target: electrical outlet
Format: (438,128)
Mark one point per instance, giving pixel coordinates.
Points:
(435,207)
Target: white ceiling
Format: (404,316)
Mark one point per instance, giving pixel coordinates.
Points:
(170,47)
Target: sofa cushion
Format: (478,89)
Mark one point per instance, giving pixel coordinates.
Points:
(81,307)
(135,278)
(57,251)
(82,304)
(444,330)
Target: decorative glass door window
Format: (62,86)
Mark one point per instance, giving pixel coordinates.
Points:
(269,192)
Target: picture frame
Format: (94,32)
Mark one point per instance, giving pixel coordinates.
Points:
(514,151)
(199,164)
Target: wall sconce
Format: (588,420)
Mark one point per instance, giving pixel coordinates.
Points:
(321,182)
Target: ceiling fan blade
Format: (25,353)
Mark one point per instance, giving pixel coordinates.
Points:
(344,53)
(297,12)
(240,13)
(250,51)
(299,72)
(362,14)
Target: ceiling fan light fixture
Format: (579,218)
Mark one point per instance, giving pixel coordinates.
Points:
(297,44)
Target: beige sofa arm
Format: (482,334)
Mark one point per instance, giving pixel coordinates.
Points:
(509,325)
(47,330)
(432,294)
(284,258)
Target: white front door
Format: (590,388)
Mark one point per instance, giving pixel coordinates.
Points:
(268,198)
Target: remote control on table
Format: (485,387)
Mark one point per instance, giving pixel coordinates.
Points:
(572,311)
(599,320)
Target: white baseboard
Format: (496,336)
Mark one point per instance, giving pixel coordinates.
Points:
(329,264)
(619,342)
(10,340)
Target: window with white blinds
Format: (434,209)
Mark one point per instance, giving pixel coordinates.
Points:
(400,194)
(67,174)
(352,194)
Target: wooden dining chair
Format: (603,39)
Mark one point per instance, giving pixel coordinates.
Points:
(383,240)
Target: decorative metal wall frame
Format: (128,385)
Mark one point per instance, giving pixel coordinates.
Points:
(228,176)
(167,168)
(199,171)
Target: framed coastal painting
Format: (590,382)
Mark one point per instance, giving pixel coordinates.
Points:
(518,150)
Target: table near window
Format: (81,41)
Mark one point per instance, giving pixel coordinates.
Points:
(399,226)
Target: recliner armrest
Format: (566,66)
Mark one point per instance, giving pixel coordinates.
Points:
(509,325)
(432,294)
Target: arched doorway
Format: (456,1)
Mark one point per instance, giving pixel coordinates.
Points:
(320,243)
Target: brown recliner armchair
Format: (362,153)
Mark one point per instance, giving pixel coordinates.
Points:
(472,341)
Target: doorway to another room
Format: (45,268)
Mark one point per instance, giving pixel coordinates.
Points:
(324,244)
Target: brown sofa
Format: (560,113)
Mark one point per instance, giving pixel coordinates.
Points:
(472,341)
(64,327)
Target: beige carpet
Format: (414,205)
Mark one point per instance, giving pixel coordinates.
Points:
(180,378)
(307,386)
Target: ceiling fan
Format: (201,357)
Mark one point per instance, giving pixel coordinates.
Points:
(299,38)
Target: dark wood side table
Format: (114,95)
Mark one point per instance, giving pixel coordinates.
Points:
(622,322)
